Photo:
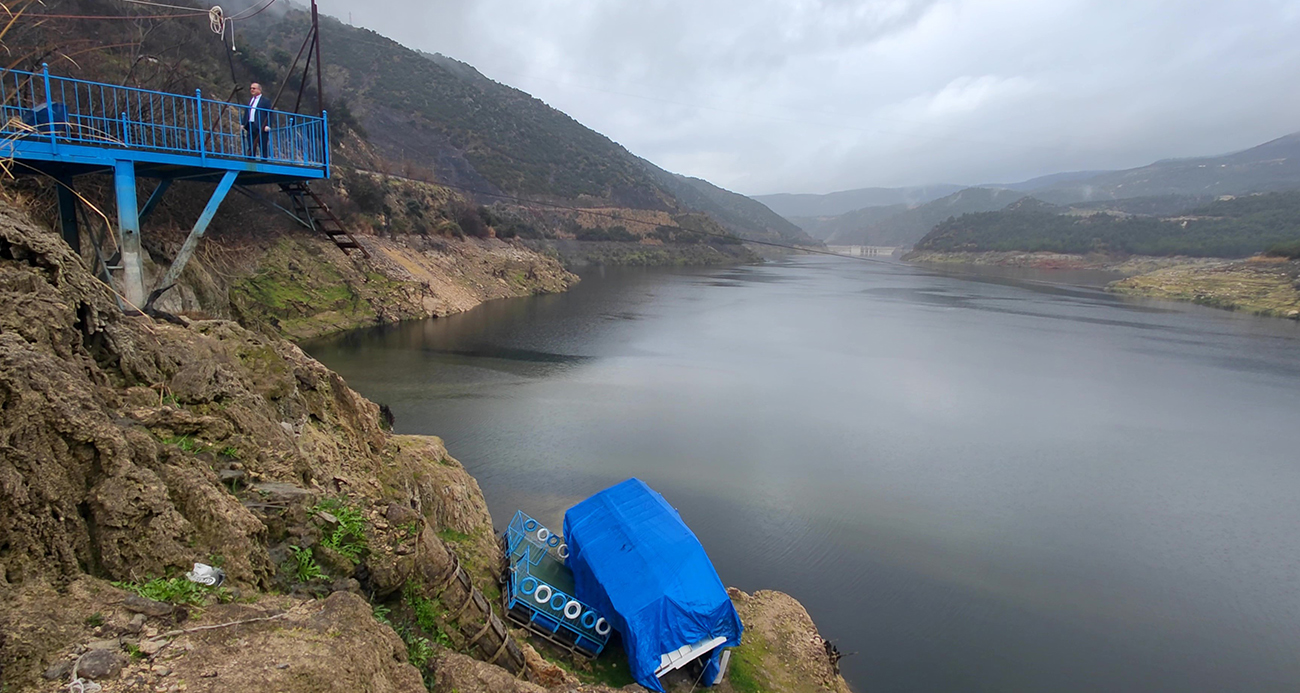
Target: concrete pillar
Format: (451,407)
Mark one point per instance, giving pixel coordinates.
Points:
(128,222)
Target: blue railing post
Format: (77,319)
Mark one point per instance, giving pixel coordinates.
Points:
(198,110)
(49,107)
(126,132)
(325,139)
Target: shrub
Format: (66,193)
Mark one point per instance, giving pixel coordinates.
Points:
(470,218)
(1288,250)
(367,193)
(174,590)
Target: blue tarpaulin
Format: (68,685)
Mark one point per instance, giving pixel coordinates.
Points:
(635,561)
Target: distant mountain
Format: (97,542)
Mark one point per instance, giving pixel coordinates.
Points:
(845,225)
(809,206)
(1048,181)
(831,204)
(1272,166)
(907,226)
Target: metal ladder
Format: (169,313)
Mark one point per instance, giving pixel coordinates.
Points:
(315,212)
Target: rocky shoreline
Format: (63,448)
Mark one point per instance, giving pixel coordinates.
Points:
(355,559)
(300,286)
(1260,285)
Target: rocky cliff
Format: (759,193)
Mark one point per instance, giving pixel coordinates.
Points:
(131,449)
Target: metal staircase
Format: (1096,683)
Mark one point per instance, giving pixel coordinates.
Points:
(312,210)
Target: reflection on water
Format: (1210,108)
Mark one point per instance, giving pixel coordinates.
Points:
(976,483)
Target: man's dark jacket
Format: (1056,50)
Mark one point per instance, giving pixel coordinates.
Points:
(262,115)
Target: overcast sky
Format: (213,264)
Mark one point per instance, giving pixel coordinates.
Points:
(763,96)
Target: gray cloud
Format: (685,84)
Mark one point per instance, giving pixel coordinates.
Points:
(818,95)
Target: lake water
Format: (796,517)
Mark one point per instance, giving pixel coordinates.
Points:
(974,483)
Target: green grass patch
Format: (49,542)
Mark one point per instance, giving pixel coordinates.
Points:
(611,668)
(188,444)
(173,590)
(349,536)
(745,670)
(428,613)
(449,534)
(419,651)
(304,565)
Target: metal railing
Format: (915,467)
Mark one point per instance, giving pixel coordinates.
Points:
(533,595)
(36,105)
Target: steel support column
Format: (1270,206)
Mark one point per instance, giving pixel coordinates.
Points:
(154,198)
(68,214)
(192,241)
(128,222)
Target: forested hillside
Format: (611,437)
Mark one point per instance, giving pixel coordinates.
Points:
(1228,228)
(440,116)
(1272,166)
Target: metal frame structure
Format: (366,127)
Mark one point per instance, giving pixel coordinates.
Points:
(534,557)
(67,127)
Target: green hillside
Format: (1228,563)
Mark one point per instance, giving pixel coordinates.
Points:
(737,213)
(430,112)
(1229,228)
(1269,167)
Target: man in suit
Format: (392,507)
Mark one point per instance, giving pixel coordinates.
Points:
(257,123)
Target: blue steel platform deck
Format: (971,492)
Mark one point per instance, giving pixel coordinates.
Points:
(67,127)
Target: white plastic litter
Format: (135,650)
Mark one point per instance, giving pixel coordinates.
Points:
(206,575)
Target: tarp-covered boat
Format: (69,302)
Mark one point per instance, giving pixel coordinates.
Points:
(635,560)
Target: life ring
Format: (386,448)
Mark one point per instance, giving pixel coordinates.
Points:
(530,525)
(542,598)
(523,586)
(543,534)
(589,619)
(561,598)
(553,541)
(602,626)
(563,551)
(572,610)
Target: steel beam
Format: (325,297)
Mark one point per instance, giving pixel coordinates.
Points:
(154,198)
(192,241)
(128,223)
(68,214)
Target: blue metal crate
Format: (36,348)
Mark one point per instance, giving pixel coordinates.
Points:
(539,589)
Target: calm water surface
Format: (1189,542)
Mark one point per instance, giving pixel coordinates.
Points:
(977,484)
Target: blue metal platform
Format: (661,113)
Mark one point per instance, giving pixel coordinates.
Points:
(539,589)
(60,124)
(65,127)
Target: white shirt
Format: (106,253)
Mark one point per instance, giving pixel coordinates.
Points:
(252,107)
